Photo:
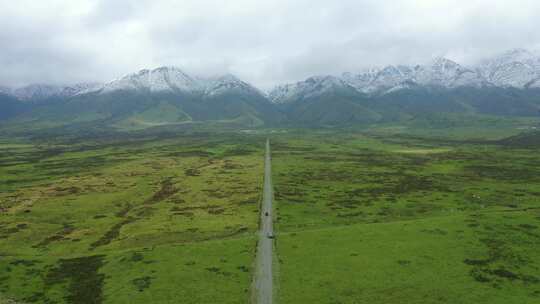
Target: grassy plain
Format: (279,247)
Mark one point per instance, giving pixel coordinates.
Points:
(389,214)
(371,218)
(134,219)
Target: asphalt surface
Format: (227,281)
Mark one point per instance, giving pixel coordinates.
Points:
(263,273)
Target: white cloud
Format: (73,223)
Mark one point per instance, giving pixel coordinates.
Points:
(265,42)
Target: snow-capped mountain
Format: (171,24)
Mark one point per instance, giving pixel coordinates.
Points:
(309,88)
(228,83)
(174,80)
(375,80)
(516,68)
(45,91)
(362,80)
(79,88)
(440,72)
(506,85)
(446,73)
(163,79)
(36,91)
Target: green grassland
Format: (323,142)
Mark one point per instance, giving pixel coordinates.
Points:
(458,126)
(382,214)
(397,218)
(139,219)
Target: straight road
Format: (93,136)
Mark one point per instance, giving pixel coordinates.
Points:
(263,273)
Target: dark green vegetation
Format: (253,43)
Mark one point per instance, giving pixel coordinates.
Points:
(138,219)
(344,106)
(234,108)
(383,217)
(10,107)
(125,110)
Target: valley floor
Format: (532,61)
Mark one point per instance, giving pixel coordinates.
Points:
(394,219)
(141,221)
(360,217)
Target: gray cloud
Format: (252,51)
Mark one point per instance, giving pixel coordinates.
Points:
(264,42)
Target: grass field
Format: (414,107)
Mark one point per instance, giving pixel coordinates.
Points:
(381,215)
(396,219)
(140,220)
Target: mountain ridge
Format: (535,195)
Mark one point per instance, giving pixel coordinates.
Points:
(505,85)
(516,68)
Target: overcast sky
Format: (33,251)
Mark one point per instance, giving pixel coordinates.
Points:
(263,42)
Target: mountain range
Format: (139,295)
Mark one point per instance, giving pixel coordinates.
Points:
(517,68)
(506,85)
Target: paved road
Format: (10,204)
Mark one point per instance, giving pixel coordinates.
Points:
(263,272)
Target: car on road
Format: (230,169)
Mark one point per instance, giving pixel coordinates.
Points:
(266,213)
(271,236)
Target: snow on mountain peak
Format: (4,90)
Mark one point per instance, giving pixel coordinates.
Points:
(218,85)
(518,68)
(173,80)
(443,64)
(162,79)
(444,72)
(36,91)
(311,87)
(439,72)
(515,68)
(45,91)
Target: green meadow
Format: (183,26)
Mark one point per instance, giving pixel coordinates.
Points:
(389,214)
(159,220)
(371,218)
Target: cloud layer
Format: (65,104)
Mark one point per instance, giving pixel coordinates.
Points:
(264,42)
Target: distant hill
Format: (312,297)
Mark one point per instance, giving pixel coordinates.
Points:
(526,140)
